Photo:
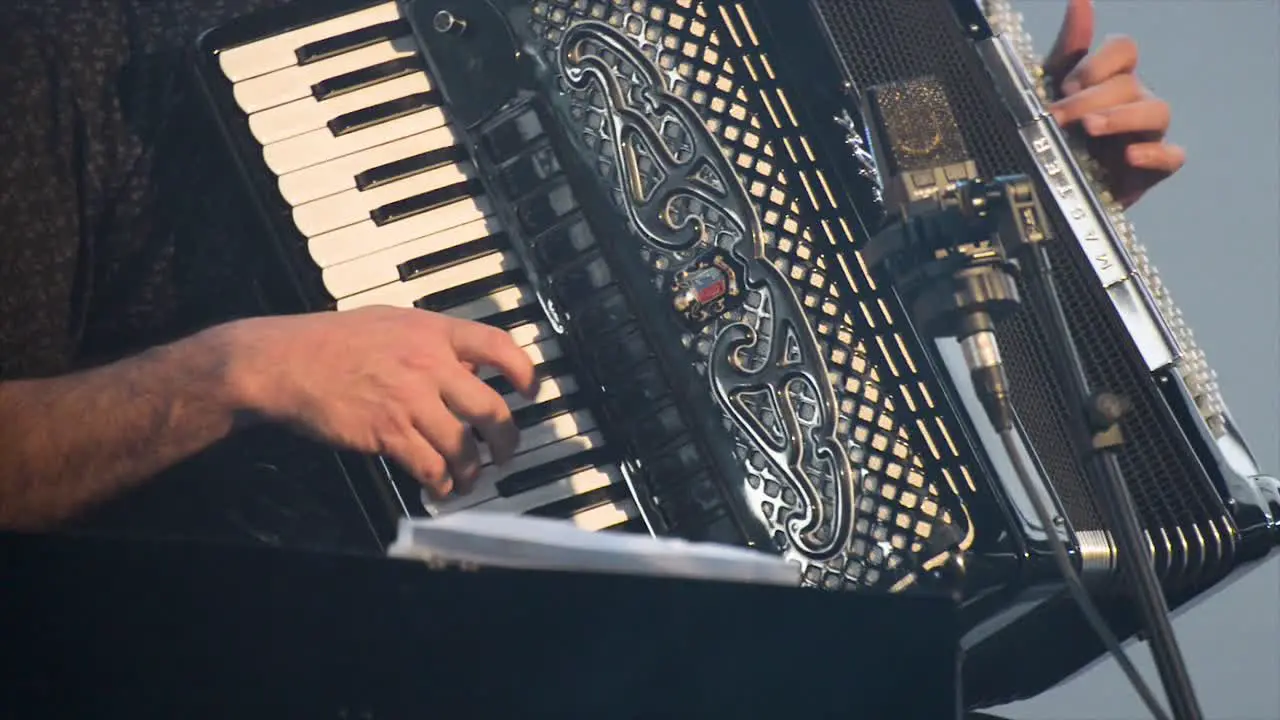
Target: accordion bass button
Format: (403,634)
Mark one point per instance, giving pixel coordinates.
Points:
(564,245)
(658,429)
(641,386)
(578,285)
(623,350)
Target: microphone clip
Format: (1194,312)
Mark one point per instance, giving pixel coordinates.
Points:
(950,246)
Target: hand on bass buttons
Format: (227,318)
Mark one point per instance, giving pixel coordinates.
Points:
(1102,94)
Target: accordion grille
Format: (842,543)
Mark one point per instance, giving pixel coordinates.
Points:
(912,476)
(886,41)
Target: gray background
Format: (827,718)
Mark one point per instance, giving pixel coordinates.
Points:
(1212,231)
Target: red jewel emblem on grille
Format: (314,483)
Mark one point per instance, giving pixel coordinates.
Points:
(709,285)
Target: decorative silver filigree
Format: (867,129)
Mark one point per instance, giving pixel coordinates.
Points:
(685,200)
(860,146)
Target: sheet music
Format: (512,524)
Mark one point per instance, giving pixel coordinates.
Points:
(530,543)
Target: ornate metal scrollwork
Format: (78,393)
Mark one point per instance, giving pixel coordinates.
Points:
(859,147)
(685,200)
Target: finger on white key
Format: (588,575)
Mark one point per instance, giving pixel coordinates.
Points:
(486,485)
(548,390)
(538,352)
(560,427)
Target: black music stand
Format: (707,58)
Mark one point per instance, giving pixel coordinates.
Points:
(138,629)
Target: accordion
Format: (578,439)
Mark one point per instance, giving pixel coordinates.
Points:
(666,203)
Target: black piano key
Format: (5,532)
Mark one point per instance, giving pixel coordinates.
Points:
(383,112)
(365,77)
(354,40)
(449,257)
(634,526)
(410,166)
(509,319)
(536,477)
(426,202)
(530,415)
(469,292)
(566,508)
(551,368)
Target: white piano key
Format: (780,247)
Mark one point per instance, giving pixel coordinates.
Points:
(539,352)
(366,237)
(579,483)
(339,174)
(548,389)
(382,267)
(545,433)
(294,118)
(431,283)
(501,301)
(485,487)
(276,52)
(348,208)
(293,83)
(317,146)
(604,517)
(528,333)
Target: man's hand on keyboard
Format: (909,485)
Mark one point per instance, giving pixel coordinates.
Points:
(1102,93)
(384,380)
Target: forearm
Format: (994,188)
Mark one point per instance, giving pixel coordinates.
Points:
(69,442)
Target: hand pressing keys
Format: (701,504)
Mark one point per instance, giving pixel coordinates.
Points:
(382,380)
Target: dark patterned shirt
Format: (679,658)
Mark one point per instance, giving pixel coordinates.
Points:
(115,224)
(121,227)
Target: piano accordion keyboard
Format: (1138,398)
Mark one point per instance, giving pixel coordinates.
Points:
(350,125)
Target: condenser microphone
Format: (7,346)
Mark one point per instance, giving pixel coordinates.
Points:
(939,241)
(943,244)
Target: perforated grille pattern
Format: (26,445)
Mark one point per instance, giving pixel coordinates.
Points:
(885,41)
(711,57)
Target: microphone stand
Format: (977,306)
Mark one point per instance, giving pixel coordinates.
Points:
(952,248)
(1099,414)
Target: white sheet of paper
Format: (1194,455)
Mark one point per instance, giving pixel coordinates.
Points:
(531,543)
